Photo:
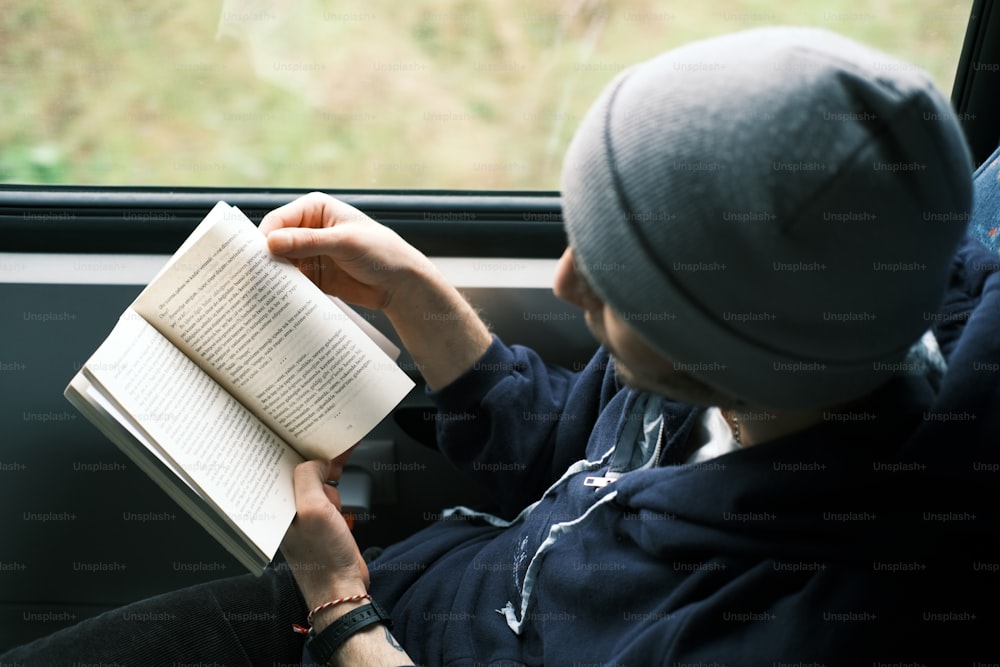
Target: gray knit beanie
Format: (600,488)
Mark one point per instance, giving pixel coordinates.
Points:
(775,211)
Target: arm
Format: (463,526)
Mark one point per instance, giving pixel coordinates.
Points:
(516,423)
(327,565)
(373,645)
(347,254)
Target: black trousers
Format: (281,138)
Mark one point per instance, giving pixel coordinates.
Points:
(243,620)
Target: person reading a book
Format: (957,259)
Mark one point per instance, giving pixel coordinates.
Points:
(766,460)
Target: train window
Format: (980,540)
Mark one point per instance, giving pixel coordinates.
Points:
(478,94)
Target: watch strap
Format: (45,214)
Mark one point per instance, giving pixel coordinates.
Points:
(322,645)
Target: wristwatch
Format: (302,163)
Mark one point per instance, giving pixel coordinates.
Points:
(322,646)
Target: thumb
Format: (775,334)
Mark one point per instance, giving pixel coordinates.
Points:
(298,242)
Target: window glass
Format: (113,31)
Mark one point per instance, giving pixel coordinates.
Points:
(474,94)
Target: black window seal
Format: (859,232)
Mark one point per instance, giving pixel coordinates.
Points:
(155,220)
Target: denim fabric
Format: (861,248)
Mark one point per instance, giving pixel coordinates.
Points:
(985,222)
(243,620)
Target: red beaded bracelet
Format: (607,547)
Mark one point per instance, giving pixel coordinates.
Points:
(309,619)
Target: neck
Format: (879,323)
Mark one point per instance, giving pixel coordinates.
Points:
(752,426)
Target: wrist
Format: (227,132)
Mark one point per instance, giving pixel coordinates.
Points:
(322,618)
(328,600)
(325,645)
(416,289)
(316,593)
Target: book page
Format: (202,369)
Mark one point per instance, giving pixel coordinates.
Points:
(133,440)
(383,342)
(272,338)
(204,435)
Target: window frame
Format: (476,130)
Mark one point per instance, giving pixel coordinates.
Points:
(445,223)
(155,220)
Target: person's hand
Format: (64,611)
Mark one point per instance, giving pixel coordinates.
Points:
(349,255)
(319,547)
(343,251)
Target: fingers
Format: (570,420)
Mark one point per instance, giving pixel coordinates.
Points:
(312,225)
(313,496)
(316,482)
(343,251)
(318,546)
(315,210)
(300,242)
(307,211)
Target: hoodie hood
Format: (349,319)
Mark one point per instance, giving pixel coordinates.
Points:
(911,472)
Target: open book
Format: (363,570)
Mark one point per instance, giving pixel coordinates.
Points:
(229,369)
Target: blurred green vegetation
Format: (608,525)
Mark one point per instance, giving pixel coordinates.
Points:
(360,93)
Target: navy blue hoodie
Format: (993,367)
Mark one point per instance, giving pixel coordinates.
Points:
(868,539)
